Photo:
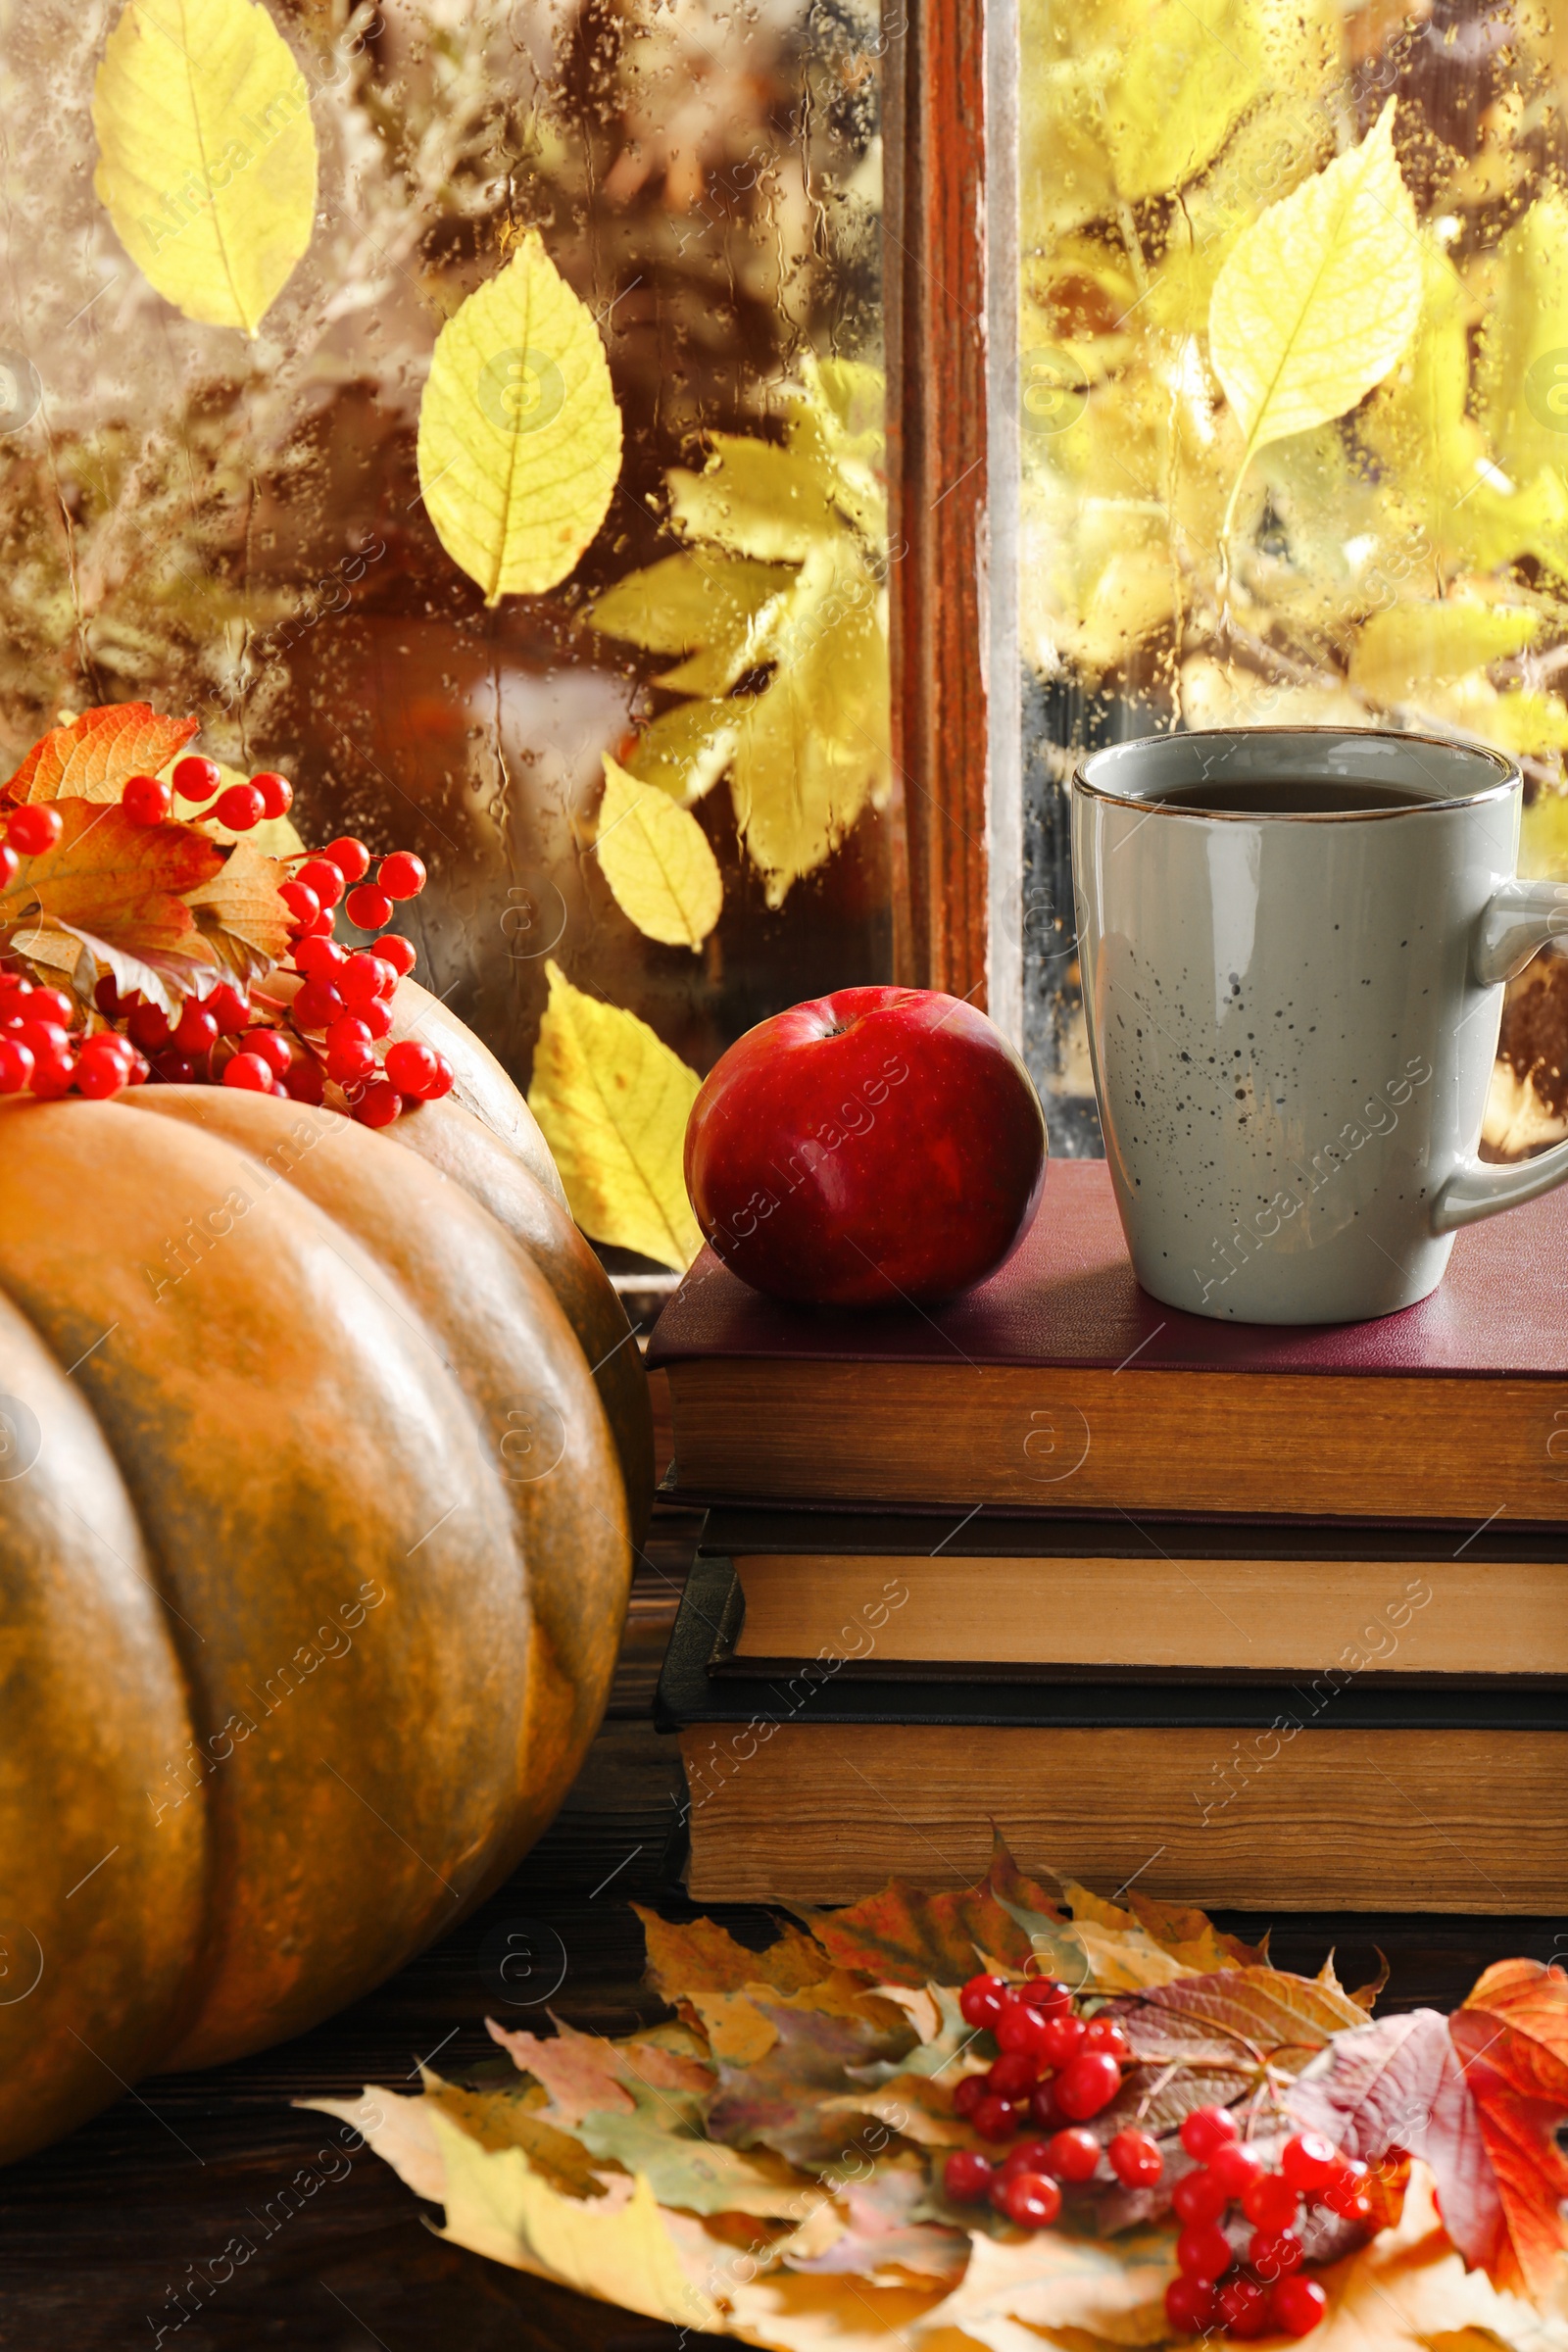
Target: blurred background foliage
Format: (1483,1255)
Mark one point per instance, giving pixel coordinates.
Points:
(234,527)
(1404,562)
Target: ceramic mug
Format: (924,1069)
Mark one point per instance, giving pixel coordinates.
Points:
(1293,974)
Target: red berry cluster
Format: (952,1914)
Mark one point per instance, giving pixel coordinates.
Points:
(235,1035)
(1267,2294)
(1054,2070)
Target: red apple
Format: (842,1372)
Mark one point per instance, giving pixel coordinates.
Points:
(880,1145)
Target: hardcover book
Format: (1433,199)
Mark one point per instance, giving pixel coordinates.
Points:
(912,1597)
(1058,1386)
(1331,1792)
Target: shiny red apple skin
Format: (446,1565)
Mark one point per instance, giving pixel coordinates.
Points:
(878,1146)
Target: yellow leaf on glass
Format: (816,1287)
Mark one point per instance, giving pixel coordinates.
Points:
(519,435)
(685,751)
(696,599)
(206,154)
(1189,73)
(1411,645)
(1318,298)
(1529,724)
(813,748)
(754,499)
(654,857)
(1522,379)
(612,1102)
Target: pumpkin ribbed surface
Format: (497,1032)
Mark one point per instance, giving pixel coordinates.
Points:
(311,1595)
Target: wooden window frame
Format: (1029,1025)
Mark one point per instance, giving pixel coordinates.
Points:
(951,276)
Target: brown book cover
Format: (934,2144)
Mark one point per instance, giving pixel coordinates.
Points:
(1331,1791)
(1060,1386)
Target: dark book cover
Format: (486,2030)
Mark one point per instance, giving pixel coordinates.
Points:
(1068,1297)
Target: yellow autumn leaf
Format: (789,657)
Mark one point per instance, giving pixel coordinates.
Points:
(1523,374)
(1189,73)
(612,1102)
(1318,298)
(686,750)
(656,858)
(206,154)
(813,748)
(699,603)
(1400,649)
(617,2247)
(519,435)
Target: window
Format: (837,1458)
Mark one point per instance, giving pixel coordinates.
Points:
(241,524)
(1294,346)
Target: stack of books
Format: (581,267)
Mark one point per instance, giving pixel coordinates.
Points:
(1250,1616)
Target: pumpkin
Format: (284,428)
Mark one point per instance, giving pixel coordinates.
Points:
(315,1545)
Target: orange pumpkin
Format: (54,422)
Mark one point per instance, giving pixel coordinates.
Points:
(315,1552)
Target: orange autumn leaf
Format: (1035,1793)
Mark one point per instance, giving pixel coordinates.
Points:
(907,1937)
(94,755)
(1512,2036)
(700,1956)
(123,882)
(239,913)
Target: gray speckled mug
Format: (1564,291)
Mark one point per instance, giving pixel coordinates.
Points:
(1294,980)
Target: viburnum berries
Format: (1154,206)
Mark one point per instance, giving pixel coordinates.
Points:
(1031,2199)
(1054,2070)
(1088,2082)
(1207,2129)
(1296,2306)
(1135,2159)
(1074,2155)
(146,800)
(240,807)
(34,828)
(321,1027)
(197,779)
(967,2176)
(402,875)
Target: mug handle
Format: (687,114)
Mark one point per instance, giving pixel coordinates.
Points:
(1518,920)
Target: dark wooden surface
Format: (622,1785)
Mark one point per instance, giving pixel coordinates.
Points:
(101,2235)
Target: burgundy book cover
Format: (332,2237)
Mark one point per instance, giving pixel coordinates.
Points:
(1068,1297)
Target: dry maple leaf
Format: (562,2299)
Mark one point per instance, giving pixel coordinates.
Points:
(907,1937)
(92,757)
(778,2101)
(239,912)
(700,1956)
(123,882)
(885,2237)
(1481,2097)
